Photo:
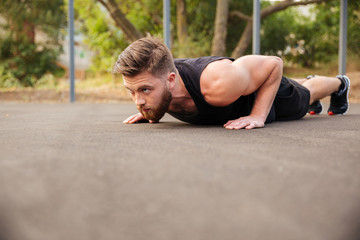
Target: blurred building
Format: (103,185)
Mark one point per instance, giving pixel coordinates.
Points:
(82,58)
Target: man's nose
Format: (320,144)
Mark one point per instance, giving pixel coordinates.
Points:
(139,100)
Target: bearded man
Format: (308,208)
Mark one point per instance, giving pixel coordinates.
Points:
(243,93)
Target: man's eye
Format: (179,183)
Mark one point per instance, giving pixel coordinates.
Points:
(145,90)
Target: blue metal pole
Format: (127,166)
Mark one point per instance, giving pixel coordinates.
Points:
(343,36)
(71,46)
(166,22)
(256,27)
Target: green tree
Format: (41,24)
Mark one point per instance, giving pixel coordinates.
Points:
(316,40)
(99,34)
(275,31)
(107,34)
(281,27)
(354,26)
(200,29)
(20,55)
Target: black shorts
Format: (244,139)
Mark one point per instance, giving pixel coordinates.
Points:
(291,101)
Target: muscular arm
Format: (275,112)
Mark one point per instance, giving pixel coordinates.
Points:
(223,82)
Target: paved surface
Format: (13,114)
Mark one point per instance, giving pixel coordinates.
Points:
(74,171)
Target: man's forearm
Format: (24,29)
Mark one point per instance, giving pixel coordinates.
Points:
(265,95)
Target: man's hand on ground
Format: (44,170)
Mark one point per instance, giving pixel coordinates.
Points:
(134,118)
(247,122)
(137,118)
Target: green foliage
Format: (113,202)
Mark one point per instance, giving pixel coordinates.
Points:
(200,20)
(7,79)
(196,46)
(236,26)
(316,41)
(354,26)
(27,64)
(146,15)
(319,38)
(22,58)
(303,40)
(100,35)
(47,81)
(104,38)
(274,31)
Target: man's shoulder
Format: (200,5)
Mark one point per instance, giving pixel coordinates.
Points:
(196,64)
(200,60)
(222,82)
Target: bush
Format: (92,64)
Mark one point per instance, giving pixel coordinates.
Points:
(7,80)
(26,62)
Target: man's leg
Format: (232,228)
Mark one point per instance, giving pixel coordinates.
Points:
(321,86)
(315,107)
(300,80)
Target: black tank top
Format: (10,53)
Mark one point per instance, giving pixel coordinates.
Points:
(190,70)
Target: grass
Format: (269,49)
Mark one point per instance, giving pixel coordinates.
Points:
(93,81)
(95,88)
(324,69)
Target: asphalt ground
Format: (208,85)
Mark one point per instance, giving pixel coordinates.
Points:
(74,171)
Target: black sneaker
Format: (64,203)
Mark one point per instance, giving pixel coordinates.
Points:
(315,108)
(339,100)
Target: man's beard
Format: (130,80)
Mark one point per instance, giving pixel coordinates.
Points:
(157,112)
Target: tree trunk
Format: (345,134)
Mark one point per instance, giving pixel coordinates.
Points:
(285,4)
(218,45)
(29,31)
(244,41)
(181,19)
(129,30)
(23,31)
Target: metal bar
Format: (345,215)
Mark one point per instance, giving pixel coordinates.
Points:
(343,36)
(166,22)
(256,27)
(71,46)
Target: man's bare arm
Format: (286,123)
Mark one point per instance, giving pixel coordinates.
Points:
(223,82)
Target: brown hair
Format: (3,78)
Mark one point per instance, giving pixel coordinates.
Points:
(146,54)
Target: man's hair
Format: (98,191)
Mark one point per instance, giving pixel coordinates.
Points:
(146,54)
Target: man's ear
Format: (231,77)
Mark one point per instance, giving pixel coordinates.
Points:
(171,79)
